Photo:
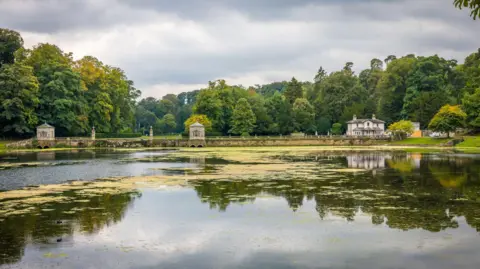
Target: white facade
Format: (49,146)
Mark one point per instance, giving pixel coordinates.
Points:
(197,131)
(45,132)
(366,127)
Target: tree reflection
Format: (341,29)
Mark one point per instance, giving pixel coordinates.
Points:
(413,191)
(60,220)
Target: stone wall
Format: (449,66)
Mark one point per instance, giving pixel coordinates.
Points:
(213,142)
(294,142)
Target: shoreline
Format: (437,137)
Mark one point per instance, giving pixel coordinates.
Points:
(325,147)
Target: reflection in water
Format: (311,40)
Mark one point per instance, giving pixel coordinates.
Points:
(428,194)
(402,209)
(46,156)
(370,160)
(54,224)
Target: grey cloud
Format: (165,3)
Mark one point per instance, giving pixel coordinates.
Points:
(308,33)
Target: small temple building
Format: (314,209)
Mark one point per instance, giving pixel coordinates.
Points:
(366,127)
(45,132)
(197,135)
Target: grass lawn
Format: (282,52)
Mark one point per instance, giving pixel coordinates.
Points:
(421,141)
(470,142)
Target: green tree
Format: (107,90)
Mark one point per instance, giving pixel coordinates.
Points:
(473,5)
(144,118)
(10,42)
(471,105)
(279,110)
(62,101)
(338,91)
(264,121)
(166,125)
(294,91)
(304,115)
(202,119)
(243,119)
(337,129)
(401,129)
(392,87)
(390,58)
(323,125)
(448,119)
(428,88)
(18,99)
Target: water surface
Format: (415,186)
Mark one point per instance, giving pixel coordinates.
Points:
(334,210)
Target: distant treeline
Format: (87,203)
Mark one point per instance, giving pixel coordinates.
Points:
(410,87)
(45,84)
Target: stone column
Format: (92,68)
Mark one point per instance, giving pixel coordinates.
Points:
(151,133)
(93,133)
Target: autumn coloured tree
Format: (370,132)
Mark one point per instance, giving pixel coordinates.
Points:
(448,119)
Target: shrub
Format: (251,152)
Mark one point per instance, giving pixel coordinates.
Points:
(401,129)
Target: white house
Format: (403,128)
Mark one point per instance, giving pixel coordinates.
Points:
(365,127)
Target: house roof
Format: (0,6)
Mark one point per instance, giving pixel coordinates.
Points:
(196,124)
(45,125)
(365,120)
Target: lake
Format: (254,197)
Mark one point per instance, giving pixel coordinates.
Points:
(299,207)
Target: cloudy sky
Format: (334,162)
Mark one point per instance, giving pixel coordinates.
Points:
(170,46)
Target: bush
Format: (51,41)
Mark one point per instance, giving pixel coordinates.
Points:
(123,135)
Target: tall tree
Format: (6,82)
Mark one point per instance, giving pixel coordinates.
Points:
(392,87)
(294,91)
(390,58)
(428,88)
(471,105)
(61,92)
(10,42)
(18,99)
(243,119)
(304,115)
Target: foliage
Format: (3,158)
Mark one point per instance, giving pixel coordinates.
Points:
(166,125)
(337,129)
(18,99)
(474,5)
(76,95)
(471,105)
(243,119)
(303,115)
(45,84)
(294,91)
(448,119)
(10,42)
(401,129)
(202,119)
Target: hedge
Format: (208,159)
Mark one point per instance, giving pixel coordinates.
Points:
(124,135)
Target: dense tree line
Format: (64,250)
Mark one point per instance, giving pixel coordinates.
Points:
(45,84)
(411,88)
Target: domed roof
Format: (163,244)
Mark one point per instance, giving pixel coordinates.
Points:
(196,124)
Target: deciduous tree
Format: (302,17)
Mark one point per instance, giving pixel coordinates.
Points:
(448,119)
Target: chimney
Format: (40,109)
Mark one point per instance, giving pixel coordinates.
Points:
(354,117)
(373,117)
